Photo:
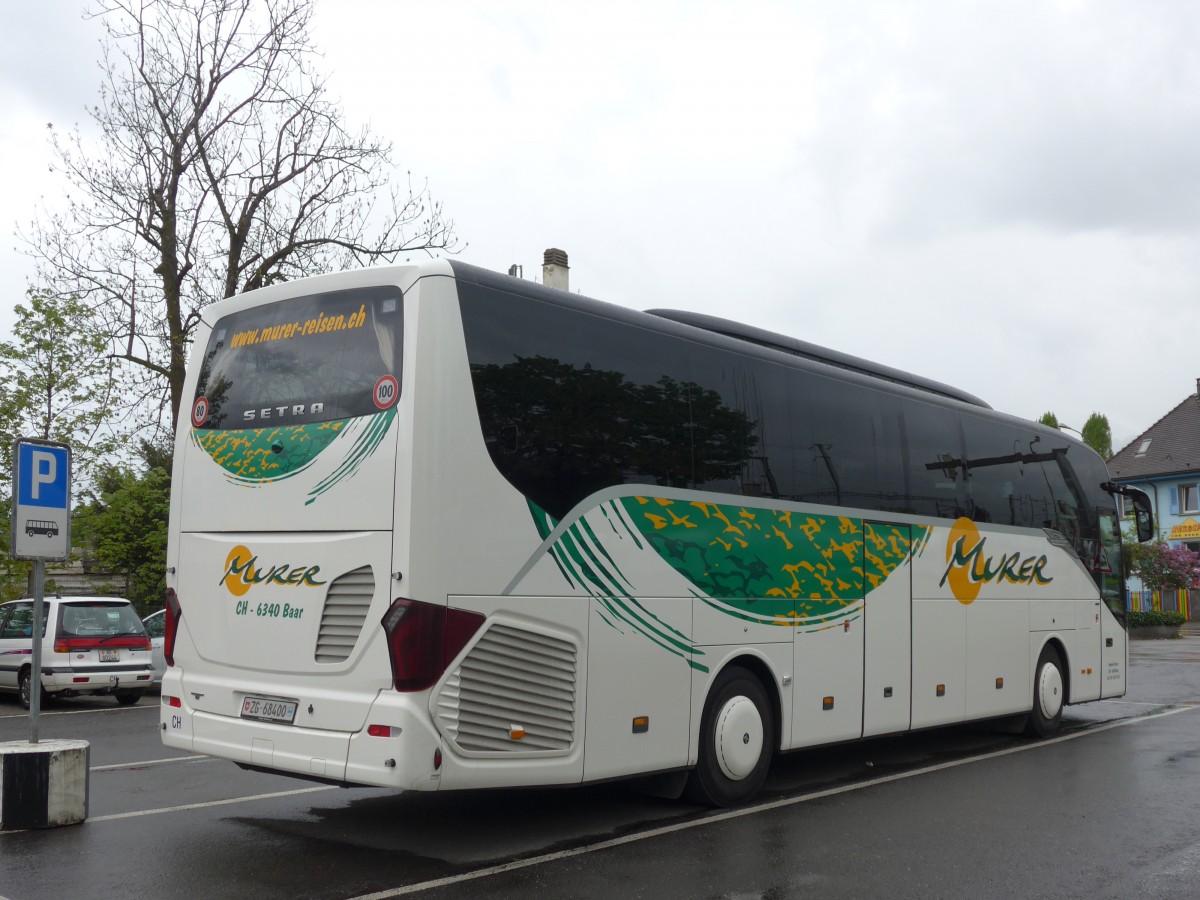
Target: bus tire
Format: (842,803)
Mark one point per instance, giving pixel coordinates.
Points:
(1049,694)
(737,741)
(127,697)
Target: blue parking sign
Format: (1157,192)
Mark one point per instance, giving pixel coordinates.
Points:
(43,475)
(41,511)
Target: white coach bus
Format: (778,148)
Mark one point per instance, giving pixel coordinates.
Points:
(437,528)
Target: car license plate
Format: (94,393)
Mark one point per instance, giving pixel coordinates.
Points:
(269,710)
(110,655)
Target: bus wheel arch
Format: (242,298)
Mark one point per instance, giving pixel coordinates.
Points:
(738,735)
(1051,688)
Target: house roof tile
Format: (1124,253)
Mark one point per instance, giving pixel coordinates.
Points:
(1174,446)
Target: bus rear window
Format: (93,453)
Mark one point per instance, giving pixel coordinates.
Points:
(308,359)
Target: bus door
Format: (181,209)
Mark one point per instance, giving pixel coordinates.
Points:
(887,666)
(1114,650)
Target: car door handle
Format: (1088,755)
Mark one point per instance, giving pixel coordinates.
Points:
(1108,642)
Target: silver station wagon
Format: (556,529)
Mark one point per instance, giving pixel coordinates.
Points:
(90,645)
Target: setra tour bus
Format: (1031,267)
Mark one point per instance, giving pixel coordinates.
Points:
(437,528)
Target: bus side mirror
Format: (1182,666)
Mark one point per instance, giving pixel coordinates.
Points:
(1143,515)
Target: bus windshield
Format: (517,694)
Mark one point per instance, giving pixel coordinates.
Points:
(309,359)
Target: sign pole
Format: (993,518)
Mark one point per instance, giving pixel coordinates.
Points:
(35,679)
(40,530)
(51,778)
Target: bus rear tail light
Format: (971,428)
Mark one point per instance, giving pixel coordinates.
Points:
(423,638)
(171,628)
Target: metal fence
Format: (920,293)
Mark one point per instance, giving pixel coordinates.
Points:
(1161,601)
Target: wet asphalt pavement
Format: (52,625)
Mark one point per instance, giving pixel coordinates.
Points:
(1108,809)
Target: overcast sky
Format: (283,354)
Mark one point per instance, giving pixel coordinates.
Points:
(1001,196)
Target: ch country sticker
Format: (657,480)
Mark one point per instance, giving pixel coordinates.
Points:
(969,567)
(242,572)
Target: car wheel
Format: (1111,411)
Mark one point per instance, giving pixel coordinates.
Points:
(737,741)
(1049,695)
(25,684)
(129,697)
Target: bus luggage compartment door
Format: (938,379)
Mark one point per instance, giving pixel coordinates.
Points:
(887,687)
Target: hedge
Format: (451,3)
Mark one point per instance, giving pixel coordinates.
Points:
(1155,617)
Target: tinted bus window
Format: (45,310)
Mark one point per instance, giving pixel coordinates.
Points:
(570,403)
(836,427)
(740,425)
(935,459)
(309,359)
(998,461)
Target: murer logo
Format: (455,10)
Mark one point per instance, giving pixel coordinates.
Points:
(969,568)
(242,572)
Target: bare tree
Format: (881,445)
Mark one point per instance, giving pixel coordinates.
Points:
(222,166)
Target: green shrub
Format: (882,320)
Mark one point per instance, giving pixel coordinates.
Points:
(1154,617)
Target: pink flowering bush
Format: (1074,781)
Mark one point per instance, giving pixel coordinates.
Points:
(1162,567)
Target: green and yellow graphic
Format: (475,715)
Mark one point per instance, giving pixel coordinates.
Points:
(253,457)
(763,565)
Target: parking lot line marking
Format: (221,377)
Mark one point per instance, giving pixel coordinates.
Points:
(152,762)
(170,809)
(769,806)
(76,712)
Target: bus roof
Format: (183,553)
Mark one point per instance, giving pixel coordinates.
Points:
(752,339)
(805,350)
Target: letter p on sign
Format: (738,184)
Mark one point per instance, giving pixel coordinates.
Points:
(45,467)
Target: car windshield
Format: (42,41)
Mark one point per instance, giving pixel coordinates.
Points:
(98,619)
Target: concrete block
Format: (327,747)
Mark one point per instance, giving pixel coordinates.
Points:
(43,785)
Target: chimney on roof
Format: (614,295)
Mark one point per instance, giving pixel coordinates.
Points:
(555,270)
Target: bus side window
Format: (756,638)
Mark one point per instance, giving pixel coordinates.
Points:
(933,439)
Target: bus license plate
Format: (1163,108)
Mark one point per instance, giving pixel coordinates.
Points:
(110,655)
(269,710)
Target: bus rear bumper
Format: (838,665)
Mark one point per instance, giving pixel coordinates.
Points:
(283,748)
(403,754)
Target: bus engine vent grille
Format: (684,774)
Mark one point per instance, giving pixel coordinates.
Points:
(512,681)
(346,606)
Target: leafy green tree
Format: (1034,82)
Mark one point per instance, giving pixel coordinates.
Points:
(57,382)
(1097,434)
(1049,418)
(124,524)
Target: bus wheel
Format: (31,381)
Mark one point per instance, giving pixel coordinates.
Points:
(737,738)
(1048,695)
